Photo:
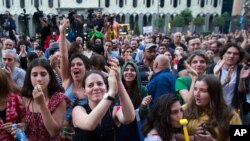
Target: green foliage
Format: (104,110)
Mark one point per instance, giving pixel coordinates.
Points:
(187,15)
(218,21)
(225,15)
(178,21)
(136,30)
(206,33)
(160,22)
(199,21)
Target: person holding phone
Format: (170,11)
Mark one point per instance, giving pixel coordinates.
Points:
(207,122)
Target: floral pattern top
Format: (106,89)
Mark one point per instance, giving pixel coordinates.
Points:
(13,114)
(36,130)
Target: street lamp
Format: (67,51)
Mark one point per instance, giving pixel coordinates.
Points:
(158,16)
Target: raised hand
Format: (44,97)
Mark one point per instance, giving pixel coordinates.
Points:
(218,67)
(38,95)
(64,24)
(193,73)
(112,80)
(114,65)
(244,72)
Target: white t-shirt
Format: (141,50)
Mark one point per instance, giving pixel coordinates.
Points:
(151,137)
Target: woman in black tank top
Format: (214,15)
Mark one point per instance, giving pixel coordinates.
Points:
(97,120)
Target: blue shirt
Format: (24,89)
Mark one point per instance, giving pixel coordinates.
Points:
(162,82)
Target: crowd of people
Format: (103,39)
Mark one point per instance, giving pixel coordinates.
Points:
(108,87)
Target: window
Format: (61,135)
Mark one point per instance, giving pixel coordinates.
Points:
(41,2)
(171,2)
(215,3)
(148,2)
(175,3)
(50,3)
(79,1)
(22,3)
(121,3)
(134,3)
(107,3)
(7,3)
(36,3)
(206,2)
(188,3)
(202,3)
(179,2)
(162,3)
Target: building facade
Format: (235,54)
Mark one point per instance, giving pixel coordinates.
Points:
(142,12)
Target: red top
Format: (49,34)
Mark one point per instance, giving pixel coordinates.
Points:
(13,114)
(36,130)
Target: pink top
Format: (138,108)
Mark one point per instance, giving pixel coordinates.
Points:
(36,130)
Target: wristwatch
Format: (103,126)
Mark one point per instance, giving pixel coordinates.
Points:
(108,97)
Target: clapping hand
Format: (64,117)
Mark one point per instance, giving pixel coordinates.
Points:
(218,67)
(244,72)
(114,75)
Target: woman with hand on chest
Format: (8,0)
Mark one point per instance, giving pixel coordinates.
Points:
(44,102)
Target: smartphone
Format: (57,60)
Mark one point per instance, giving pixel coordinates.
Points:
(203,125)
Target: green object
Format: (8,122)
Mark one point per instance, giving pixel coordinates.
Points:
(97,34)
(181,84)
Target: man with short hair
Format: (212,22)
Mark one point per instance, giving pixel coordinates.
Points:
(193,44)
(149,54)
(10,58)
(215,47)
(163,80)
(8,44)
(177,41)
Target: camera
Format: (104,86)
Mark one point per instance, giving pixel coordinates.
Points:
(37,15)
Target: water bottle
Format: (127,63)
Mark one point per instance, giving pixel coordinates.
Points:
(20,135)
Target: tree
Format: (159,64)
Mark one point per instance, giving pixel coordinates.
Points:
(136,30)
(199,21)
(218,21)
(159,23)
(178,21)
(187,15)
(225,15)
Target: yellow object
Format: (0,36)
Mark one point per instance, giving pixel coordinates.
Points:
(184,122)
